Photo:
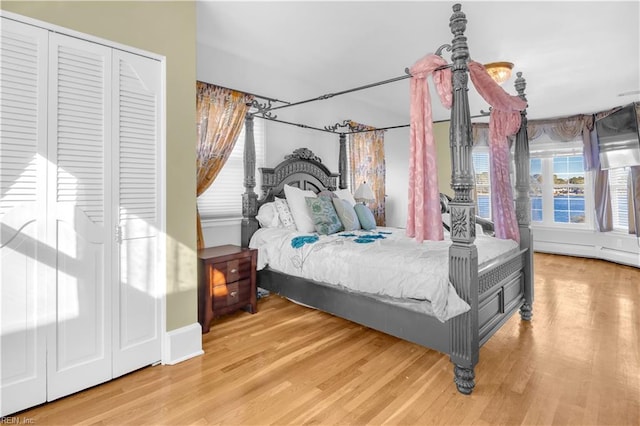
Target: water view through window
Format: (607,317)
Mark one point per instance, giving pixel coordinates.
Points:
(557,181)
(567,187)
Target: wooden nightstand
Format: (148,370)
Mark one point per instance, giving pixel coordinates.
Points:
(226,282)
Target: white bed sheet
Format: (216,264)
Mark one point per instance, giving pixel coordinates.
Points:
(391,266)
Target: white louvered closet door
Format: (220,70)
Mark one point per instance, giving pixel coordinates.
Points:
(80,227)
(80,214)
(24,260)
(137,296)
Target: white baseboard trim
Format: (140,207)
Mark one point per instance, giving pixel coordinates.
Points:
(593,252)
(182,344)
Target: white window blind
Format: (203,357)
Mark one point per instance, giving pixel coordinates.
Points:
(618,184)
(483,181)
(223,199)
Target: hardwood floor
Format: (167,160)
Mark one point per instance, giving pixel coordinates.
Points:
(577,362)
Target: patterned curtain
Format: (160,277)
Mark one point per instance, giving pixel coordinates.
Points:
(568,129)
(366,162)
(220,115)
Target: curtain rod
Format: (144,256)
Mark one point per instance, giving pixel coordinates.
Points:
(406,125)
(355,89)
(326,130)
(304,126)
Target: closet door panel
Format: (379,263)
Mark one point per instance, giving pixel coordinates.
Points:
(24,261)
(137,84)
(81,229)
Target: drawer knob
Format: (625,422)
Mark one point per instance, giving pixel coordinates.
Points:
(234,270)
(233,293)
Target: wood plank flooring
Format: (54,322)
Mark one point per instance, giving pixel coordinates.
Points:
(577,362)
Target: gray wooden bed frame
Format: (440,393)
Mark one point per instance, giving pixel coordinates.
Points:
(494,292)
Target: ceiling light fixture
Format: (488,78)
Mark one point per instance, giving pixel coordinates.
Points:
(499,71)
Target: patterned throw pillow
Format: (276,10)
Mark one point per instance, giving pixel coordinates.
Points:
(367,221)
(325,218)
(347,214)
(284,213)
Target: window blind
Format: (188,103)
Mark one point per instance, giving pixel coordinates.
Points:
(618,184)
(223,199)
(480,157)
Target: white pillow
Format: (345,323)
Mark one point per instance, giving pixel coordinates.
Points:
(298,206)
(268,215)
(345,194)
(284,213)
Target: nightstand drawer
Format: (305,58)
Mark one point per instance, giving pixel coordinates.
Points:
(233,293)
(230,271)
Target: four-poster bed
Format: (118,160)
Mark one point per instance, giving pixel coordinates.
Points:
(494,290)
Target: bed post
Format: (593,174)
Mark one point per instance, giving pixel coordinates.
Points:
(342,162)
(523,203)
(463,254)
(249,223)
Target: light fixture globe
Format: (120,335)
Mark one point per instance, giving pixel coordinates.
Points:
(499,71)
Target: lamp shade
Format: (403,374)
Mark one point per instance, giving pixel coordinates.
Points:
(364,193)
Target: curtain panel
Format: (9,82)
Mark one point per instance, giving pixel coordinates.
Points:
(424,218)
(504,121)
(367,164)
(220,114)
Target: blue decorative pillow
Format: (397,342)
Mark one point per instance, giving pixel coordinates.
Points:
(324,216)
(367,221)
(347,214)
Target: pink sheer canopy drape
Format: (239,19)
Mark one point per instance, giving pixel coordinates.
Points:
(504,121)
(424,219)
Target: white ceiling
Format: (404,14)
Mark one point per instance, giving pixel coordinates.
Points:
(577,57)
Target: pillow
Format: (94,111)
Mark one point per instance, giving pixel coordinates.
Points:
(344,194)
(268,215)
(367,221)
(327,194)
(298,206)
(347,214)
(284,213)
(325,218)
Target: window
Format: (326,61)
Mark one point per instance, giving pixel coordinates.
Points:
(557,183)
(618,184)
(483,181)
(568,189)
(223,199)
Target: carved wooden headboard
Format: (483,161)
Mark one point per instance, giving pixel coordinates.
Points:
(302,169)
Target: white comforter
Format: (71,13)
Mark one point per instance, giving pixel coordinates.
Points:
(390,265)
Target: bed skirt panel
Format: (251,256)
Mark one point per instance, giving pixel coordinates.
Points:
(397,321)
